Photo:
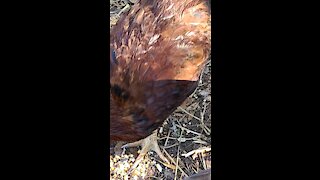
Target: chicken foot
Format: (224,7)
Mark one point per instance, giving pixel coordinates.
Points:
(147,144)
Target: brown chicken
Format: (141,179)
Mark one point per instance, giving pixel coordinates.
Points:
(158,50)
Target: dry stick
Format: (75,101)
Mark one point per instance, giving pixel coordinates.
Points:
(189,113)
(185,174)
(195,139)
(206,129)
(195,90)
(179,123)
(166,138)
(167,147)
(152,177)
(187,139)
(202,149)
(194,169)
(203,112)
(188,130)
(165,144)
(204,162)
(200,79)
(176,170)
(199,141)
(203,126)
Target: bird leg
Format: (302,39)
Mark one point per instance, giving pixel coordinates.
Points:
(147,144)
(116,148)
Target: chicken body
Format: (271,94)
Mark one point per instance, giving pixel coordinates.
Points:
(158,50)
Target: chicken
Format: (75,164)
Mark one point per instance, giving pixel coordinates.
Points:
(157,52)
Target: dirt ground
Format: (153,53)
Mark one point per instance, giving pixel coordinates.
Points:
(184,138)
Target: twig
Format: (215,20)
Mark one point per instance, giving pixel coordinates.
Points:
(152,177)
(189,113)
(165,144)
(200,79)
(203,160)
(177,162)
(174,162)
(202,149)
(199,141)
(188,130)
(203,126)
(167,147)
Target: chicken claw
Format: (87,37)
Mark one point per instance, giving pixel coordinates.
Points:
(147,144)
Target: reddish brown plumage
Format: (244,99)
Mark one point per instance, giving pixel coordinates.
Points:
(158,50)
